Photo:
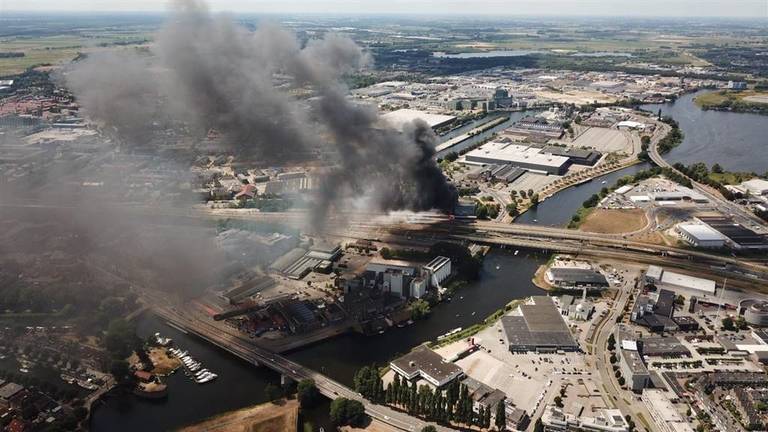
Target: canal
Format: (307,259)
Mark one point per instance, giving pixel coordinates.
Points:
(558,210)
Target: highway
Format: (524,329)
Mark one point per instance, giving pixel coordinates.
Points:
(202,327)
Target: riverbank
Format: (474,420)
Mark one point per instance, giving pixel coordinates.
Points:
(745,101)
(277,416)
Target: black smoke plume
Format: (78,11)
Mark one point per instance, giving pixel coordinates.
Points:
(206,72)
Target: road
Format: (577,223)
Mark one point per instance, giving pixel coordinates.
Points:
(246,350)
(601,356)
(726,206)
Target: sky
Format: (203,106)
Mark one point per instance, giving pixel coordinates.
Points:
(651,8)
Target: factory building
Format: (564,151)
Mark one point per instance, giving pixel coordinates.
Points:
(756,187)
(700,235)
(739,237)
(538,327)
(755,312)
(382,265)
(423,363)
(400,118)
(519,155)
(439,269)
(418,287)
(576,156)
(394,282)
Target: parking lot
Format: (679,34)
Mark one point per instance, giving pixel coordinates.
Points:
(525,378)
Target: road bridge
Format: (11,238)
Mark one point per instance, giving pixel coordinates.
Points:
(200,326)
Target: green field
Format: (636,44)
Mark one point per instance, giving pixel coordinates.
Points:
(56,50)
(717,98)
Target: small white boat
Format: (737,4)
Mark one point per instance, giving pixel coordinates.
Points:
(517,252)
(498,267)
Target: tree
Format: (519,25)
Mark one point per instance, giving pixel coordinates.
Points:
(512,208)
(452,156)
(121,338)
(559,401)
(272,392)
(347,412)
(385,253)
(121,371)
(535,200)
(501,416)
(728,324)
(716,168)
(530,193)
(429,428)
(307,393)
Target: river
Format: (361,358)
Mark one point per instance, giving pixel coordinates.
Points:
(504,277)
(737,141)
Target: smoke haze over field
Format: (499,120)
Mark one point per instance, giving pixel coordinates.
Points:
(208,72)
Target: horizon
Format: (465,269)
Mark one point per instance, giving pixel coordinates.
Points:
(710,9)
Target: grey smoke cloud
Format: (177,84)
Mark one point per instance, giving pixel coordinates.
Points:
(207,72)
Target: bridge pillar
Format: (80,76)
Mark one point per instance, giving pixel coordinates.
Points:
(285,380)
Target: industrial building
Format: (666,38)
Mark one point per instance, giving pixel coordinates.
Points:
(247,289)
(655,314)
(756,187)
(660,277)
(423,363)
(739,236)
(663,413)
(575,278)
(519,155)
(538,327)
(439,269)
(700,235)
(400,118)
(381,265)
(755,312)
(669,347)
(575,155)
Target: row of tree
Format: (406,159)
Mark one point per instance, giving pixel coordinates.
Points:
(454,405)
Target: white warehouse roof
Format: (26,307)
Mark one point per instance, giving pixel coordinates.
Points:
(701,232)
(514,154)
(690,282)
(756,186)
(401,117)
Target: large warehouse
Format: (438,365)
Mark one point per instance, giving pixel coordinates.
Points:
(539,327)
(700,235)
(520,155)
(399,118)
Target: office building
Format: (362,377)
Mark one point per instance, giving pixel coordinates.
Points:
(633,369)
(423,363)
